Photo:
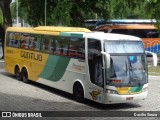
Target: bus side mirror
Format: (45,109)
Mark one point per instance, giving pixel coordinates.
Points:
(151,57)
(107,58)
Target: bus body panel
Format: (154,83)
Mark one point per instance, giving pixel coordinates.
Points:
(152,44)
(66,80)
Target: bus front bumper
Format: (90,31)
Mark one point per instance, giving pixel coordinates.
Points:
(116,98)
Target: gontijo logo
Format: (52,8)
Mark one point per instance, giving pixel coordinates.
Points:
(30,55)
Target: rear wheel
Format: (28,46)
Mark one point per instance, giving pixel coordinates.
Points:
(18,73)
(78,93)
(25,75)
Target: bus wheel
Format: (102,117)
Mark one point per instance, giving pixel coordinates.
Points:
(78,93)
(25,75)
(18,73)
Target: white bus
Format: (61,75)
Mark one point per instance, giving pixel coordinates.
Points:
(104,67)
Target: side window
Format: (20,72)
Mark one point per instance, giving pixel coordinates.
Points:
(52,44)
(25,41)
(14,39)
(77,48)
(45,44)
(61,46)
(37,40)
(94,48)
(32,42)
(10,39)
(95,62)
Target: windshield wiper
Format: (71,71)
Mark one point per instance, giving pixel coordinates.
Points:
(134,77)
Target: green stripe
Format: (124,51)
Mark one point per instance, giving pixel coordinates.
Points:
(71,34)
(76,35)
(55,68)
(65,34)
(136,89)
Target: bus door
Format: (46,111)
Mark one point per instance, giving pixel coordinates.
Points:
(95,70)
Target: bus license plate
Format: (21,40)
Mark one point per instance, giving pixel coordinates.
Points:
(129,98)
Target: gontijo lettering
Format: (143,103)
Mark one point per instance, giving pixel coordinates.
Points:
(30,55)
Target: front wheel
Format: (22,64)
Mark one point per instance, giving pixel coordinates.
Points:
(25,75)
(78,93)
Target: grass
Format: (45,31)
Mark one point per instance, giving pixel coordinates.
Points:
(154,71)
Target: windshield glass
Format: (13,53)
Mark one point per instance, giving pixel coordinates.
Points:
(127,65)
(127,70)
(124,47)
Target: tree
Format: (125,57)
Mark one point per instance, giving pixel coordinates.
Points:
(7,19)
(153,8)
(122,9)
(5,7)
(65,12)
(74,12)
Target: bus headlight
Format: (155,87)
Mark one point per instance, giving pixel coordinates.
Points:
(145,89)
(111,91)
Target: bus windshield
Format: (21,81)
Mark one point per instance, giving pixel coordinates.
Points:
(124,47)
(127,66)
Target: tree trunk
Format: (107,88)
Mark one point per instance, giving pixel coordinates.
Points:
(7,19)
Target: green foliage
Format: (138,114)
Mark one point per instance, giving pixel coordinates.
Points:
(65,12)
(60,13)
(122,9)
(1,18)
(153,8)
(13,9)
(74,12)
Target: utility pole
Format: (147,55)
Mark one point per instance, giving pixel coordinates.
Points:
(45,14)
(17,12)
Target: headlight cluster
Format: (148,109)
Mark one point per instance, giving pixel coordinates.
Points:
(111,91)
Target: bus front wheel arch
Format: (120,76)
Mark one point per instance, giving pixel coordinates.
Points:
(78,92)
(18,73)
(25,75)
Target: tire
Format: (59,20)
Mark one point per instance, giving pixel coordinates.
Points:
(18,73)
(25,75)
(78,93)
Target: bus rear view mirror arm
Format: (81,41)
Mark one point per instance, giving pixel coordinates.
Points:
(155,59)
(107,58)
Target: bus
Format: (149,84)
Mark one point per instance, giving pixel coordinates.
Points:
(92,23)
(126,21)
(144,29)
(104,67)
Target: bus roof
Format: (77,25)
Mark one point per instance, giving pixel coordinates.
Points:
(74,32)
(126,21)
(125,26)
(47,29)
(110,36)
(142,21)
(61,29)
